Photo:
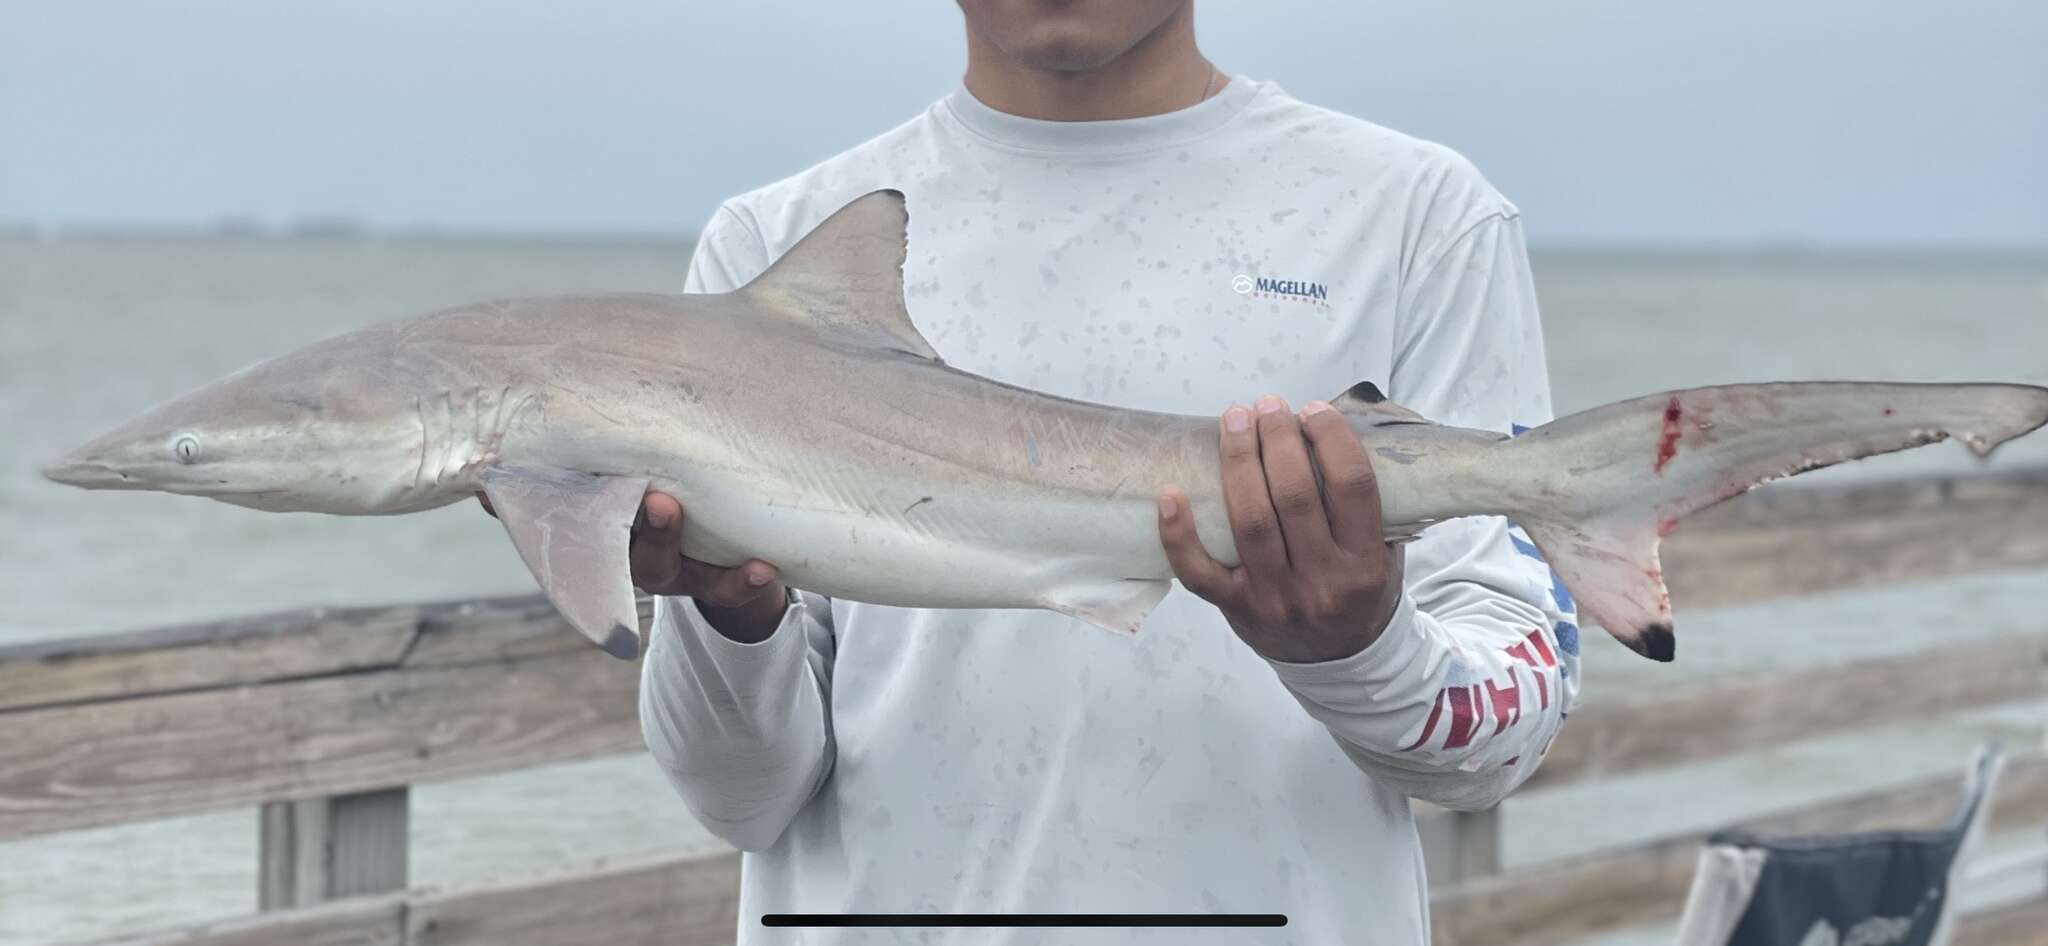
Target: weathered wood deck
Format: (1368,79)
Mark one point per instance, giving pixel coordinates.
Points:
(323,717)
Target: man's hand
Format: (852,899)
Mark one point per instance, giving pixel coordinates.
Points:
(745,603)
(1317,580)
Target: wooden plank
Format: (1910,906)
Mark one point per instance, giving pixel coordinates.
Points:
(672,900)
(2019,924)
(291,841)
(1792,539)
(458,633)
(666,902)
(1756,712)
(689,901)
(369,834)
(1458,845)
(90,764)
(245,650)
(2010,865)
(76,765)
(378,921)
(1564,900)
(289,645)
(322,849)
(437,691)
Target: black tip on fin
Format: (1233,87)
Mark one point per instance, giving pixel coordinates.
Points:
(1365,399)
(622,642)
(1658,643)
(1364,392)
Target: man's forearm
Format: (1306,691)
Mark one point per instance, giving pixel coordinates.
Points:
(1435,710)
(1458,699)
(742,729)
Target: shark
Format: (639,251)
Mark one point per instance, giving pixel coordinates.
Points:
(802,419)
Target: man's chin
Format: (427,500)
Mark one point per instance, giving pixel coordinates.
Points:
(1067,53)
(1068,59)
(1068,62)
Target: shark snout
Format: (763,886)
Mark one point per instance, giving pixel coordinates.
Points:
(85,473)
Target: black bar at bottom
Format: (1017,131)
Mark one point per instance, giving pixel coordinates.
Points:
(1024,919)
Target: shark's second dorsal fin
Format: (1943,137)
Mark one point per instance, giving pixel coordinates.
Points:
(1365,400)
(847,275)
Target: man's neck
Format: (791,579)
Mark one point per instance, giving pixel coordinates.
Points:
(1164,72)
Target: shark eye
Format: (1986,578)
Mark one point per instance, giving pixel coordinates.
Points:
(187,448)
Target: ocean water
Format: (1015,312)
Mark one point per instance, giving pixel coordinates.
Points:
(95,328)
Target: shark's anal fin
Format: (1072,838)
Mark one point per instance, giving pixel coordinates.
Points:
(572,530)
(1119,606)
(846,277)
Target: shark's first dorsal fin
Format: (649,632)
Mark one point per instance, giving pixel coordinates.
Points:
(847,275)
(1364,399)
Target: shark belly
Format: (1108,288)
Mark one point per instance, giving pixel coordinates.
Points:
(920,543)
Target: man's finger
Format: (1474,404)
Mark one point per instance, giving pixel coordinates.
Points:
(1253,523)
(1348,483)
(657,550)
(724,587)
(1291,483)
(1191,563)
(663,514)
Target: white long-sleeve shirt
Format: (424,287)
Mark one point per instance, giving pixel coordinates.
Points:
(877,759)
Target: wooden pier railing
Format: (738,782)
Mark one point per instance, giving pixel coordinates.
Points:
(324,718)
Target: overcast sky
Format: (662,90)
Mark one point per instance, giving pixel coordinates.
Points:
(1610,121)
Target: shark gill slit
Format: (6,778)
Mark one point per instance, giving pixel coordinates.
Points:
(450,438)
(419,414)
(476,422)
(499,421)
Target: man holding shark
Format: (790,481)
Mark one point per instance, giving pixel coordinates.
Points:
(1101,213)
(966,459)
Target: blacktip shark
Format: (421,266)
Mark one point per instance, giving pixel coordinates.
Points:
(803,420)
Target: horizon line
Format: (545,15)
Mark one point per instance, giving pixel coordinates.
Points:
(343,229)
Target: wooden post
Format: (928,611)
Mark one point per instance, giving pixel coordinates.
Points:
(328,848)
(1459,845)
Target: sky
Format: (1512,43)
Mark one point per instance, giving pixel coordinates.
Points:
(1861,123)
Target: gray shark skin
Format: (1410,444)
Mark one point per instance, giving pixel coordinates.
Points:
(804,421)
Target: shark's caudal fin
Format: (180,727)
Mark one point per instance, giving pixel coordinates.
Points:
(846,276)
(1618,478)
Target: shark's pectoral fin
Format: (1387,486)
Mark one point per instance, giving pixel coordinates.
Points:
(1119,606)
(573,531)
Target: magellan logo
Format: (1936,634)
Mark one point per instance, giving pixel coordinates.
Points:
(1293,290)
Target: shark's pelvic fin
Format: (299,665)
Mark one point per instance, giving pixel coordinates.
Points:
(1623,475)
(573,530)
(846,276)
